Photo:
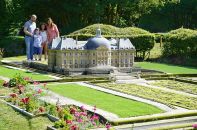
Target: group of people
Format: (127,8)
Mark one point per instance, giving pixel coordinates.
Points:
(39,39)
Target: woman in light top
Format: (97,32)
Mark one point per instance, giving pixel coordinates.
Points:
(52,32)
(43,33)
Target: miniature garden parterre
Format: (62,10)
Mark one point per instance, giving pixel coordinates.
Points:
(18,92)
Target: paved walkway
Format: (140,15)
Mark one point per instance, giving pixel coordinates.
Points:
(4,78)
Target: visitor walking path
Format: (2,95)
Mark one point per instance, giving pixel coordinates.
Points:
(4,78)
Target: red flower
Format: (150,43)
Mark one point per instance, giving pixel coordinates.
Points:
(25,100)
(69,122)
(41,109)
(72,111)
(5,84)
(73,127)
(13,95)
(39,91)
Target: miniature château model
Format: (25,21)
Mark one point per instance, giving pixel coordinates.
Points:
(97,54)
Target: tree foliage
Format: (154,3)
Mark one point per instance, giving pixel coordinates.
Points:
(153,15)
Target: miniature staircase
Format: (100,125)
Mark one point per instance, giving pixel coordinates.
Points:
(129,78)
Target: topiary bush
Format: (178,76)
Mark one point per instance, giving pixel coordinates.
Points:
(13,45)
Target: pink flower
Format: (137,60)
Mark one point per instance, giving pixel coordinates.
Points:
(36,83)
(82,108)
(94,123)
(39,91)
(194,125)
(77,114)
(108,126)
(94,117)
(80,120)
(83,114)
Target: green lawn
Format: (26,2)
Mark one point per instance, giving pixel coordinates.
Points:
(12,120)
(8,72)
(167,68)
(120,106)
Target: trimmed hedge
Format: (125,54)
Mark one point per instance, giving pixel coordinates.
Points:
(181,43)
(13,46)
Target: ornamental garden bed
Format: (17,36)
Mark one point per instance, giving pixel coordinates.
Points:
(168,98)
(25,100)
(176,85)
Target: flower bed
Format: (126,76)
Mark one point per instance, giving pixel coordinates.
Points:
(25,99)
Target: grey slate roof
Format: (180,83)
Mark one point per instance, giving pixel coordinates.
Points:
(92,43)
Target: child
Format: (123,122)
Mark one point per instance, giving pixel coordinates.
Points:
(43,33)
(37,45)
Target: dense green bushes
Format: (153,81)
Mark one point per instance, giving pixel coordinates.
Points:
(141,39)
(181,43)
(13,45)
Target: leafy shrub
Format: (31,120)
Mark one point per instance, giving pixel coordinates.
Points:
(180,43)
(13,45)
(17,80)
